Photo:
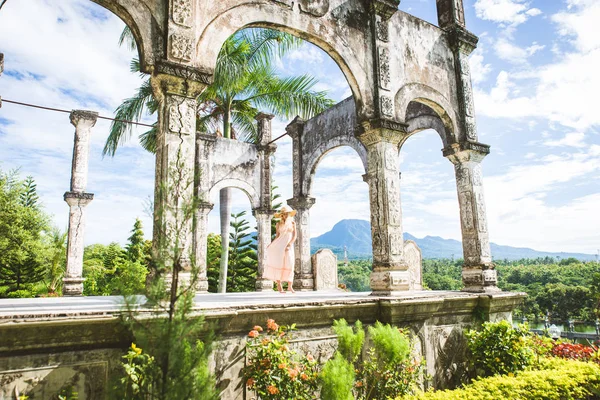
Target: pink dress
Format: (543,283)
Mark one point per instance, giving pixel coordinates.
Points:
(279,261)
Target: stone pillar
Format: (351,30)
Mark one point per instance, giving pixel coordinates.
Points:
(175,167)
(200,244)
(390,271)
(263,222)
(303,268)
(78,199)
(450,13)
(478,272)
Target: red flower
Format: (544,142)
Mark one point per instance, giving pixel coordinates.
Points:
(271,325)
(250,382)
(253,334)
(257,328)
(304,377)
(272,389)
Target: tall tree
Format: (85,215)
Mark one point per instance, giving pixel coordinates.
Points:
(243,260)
(29,196)
(136,243)
(21,243)
(57,257)
(244,82)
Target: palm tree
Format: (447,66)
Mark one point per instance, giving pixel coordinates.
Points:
(57,247)
(244,82)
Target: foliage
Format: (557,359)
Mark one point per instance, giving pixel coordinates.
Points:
(557,380)
(498,348)
(386,370)
(29,196)
(213,261)
(57,257)
(136,244)
(442,274)
(22,224)
(243,259)
(576,351)
(274,370)
(356,276)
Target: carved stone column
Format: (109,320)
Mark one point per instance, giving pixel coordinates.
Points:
(478,272)
(263,222)
(200,244)
(175,167)
(450,13)
(304,278)
(77,200)
(390,272)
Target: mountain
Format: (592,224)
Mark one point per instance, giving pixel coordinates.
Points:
(355,234)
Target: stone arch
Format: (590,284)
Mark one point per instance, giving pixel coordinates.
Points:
(140,19)
(422,107)
(316,156)
(245,187)
(319,27)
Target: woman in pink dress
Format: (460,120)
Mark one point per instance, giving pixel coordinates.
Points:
(280,253)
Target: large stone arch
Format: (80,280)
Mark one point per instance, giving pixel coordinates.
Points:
(422,107)
(314,159)
(338,27)
(245,187)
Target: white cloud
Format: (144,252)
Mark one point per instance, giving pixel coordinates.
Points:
(479,70)
(510,52)
(506,12)
(573,139)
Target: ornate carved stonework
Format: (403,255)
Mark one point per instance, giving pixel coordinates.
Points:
(384,67)
(396,244)
(182,12)
(182,71)
(466,211)
(181,47)
(318,8)
(412,256)
(382,30)
(387,106)
(324,263)
(182,114)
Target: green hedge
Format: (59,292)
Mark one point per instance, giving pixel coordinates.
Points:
(558,379)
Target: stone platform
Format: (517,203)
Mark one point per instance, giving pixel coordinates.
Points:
(47,342)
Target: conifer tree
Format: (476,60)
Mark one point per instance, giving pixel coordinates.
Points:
(135,247)
(29,196)
(243,260)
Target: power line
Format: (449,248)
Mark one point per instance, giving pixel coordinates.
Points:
(69,112)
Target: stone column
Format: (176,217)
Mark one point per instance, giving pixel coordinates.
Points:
(175,167)
(263,222)
(390,271)
(78,199)
(264,213)
(450,13)
(200,244)
(304,278)
(478,272)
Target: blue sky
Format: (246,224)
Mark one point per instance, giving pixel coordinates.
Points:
(535,85)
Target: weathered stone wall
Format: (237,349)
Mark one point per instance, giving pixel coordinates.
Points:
(49,346)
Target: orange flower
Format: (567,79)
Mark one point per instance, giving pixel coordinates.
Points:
(266,341)
(272,389)
(271,325)
(250,382)
(282,366)
(293,373)
(253,334)
(309,357)
(304,377)
(257,328)
(359,384)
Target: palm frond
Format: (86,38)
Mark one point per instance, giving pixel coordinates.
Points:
(130,110)
(148,139)
(127,38)
(266,44)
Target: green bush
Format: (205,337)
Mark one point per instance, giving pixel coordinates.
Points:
(498,348)
(337,379)
(558,380)
(19,294)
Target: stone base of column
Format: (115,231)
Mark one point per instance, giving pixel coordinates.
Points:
(202,286)
(72,286)
(304,283)
(184,280)
(479,280)
(389,283)
(264,285)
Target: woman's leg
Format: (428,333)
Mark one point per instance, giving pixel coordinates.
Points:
(291,288)
(279,287)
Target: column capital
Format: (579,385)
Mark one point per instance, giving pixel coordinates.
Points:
(180,84)
(301,202)
(79,116)
(461,39)
(205,206)
(385,8)
(265,211)
(262,116)
(78,198)
(381,130)
(295,128)
(458,153)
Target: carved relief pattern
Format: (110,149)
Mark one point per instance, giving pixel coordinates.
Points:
(470,249)
(396,243)
(462,177)
(466,211)
(182,12)
(182,115)
(382,30)
(412,257)
(318,8)
(181,47)
(467,97)
(384,68)
(325,265)
(387,106)
(481,218)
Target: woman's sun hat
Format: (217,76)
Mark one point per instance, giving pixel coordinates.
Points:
(285,210)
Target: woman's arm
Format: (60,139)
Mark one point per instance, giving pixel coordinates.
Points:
(293,235)
(277,229)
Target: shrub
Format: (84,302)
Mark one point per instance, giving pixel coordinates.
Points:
(558,380)
(337,379)
(576,351)
(498,348)
(273,370)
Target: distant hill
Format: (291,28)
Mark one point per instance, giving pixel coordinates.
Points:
(356,235)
